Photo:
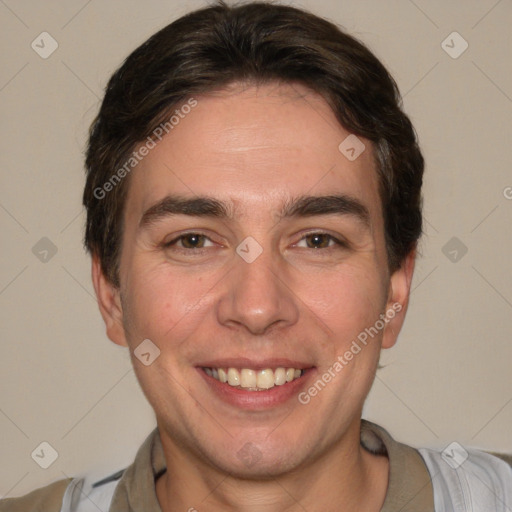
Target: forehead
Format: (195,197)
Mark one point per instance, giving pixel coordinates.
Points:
(254,147)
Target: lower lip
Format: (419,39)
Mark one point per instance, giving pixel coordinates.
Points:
(254,400)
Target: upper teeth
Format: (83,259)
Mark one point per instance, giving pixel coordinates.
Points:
(252,379)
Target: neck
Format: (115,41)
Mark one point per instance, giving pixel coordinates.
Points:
(344,478)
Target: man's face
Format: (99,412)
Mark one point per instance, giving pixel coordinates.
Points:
(273,277)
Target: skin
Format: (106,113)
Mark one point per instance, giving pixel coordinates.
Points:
(255,148)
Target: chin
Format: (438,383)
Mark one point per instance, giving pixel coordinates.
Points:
(256,461)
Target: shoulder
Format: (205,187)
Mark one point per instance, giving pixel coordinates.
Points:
(76,494)
(47,498)
(455,478)
(469,479)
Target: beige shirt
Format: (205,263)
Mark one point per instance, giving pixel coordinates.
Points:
(409,486)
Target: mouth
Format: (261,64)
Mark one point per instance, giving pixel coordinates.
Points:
(254,380)
(256,387)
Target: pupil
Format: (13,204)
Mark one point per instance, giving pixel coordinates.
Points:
(318,240)
(192,240)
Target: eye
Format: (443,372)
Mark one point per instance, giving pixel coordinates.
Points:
(320,241)
(190,241)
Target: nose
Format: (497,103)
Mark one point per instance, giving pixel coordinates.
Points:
(257,296)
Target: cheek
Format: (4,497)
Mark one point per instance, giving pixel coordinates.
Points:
(350,308)
(165,306)
(347,302)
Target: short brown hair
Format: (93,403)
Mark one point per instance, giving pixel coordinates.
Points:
(252,43)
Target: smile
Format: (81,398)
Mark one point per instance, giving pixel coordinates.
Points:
(254,380)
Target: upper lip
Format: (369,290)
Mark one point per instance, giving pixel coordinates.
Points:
(254,364)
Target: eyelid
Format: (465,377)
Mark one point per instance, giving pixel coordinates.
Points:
(337,239)
(179,237)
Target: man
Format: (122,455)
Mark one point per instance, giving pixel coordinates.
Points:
(253,208)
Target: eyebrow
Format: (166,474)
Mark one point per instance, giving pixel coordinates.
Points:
(302,206)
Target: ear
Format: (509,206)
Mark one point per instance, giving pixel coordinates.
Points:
(109,302)
(398,299)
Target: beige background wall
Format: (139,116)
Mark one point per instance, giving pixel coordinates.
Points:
(62,381)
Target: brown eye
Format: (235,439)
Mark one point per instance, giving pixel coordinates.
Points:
(192,241)
(321,240)
(318,240)
(189,241)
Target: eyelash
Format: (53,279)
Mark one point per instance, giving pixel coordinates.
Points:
(181,237)
(338,243)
